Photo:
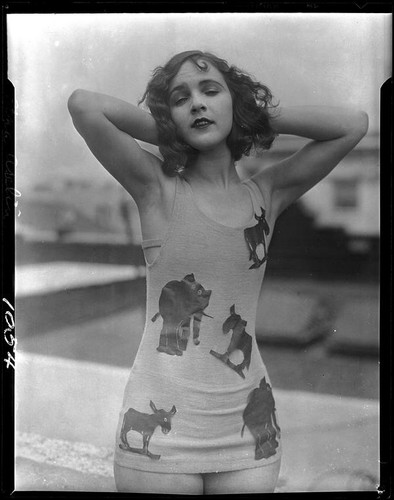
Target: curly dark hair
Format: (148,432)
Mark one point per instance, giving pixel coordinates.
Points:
(252,108)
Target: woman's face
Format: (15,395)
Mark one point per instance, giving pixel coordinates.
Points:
(201,106)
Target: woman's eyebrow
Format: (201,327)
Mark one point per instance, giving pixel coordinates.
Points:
(201,83)
(182,86)
(205,82)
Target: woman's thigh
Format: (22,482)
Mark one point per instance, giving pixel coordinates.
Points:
(137,481)
(256,480)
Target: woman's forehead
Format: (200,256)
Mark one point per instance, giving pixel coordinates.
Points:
(190,73)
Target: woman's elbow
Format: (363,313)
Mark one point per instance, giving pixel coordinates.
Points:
(77,101)
(361,123)
(356,127)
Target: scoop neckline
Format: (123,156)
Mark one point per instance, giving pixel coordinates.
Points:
(217,224)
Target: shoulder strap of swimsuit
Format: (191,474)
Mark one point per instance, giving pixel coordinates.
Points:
(256,195)
(182,186)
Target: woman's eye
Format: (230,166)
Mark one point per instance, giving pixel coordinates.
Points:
(211,92)
(180,100)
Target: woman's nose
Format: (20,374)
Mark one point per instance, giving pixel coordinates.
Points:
(198,105)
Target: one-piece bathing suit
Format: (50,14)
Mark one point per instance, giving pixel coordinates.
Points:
(198,398)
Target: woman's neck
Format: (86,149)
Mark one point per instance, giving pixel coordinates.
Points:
(213,168)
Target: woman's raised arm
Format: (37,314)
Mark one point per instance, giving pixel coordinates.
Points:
(334,132)
(110,127)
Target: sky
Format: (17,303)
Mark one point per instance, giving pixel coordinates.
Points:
(305,59)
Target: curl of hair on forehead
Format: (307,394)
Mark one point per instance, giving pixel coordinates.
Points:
(252,109)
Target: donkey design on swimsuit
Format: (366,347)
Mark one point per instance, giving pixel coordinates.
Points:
(145,424)
(240,340)
(179,303)
(255,238)
(260,418)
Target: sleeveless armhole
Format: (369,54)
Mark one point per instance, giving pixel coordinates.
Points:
(160,242)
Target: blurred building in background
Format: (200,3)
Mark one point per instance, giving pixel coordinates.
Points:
(68,206)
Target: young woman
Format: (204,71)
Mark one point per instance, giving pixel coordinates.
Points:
(199,414)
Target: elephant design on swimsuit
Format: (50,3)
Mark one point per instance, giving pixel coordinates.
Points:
(255,238)
(260,418)
(179,303)
(240,340)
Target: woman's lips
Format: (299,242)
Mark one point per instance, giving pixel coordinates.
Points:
(201,123)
